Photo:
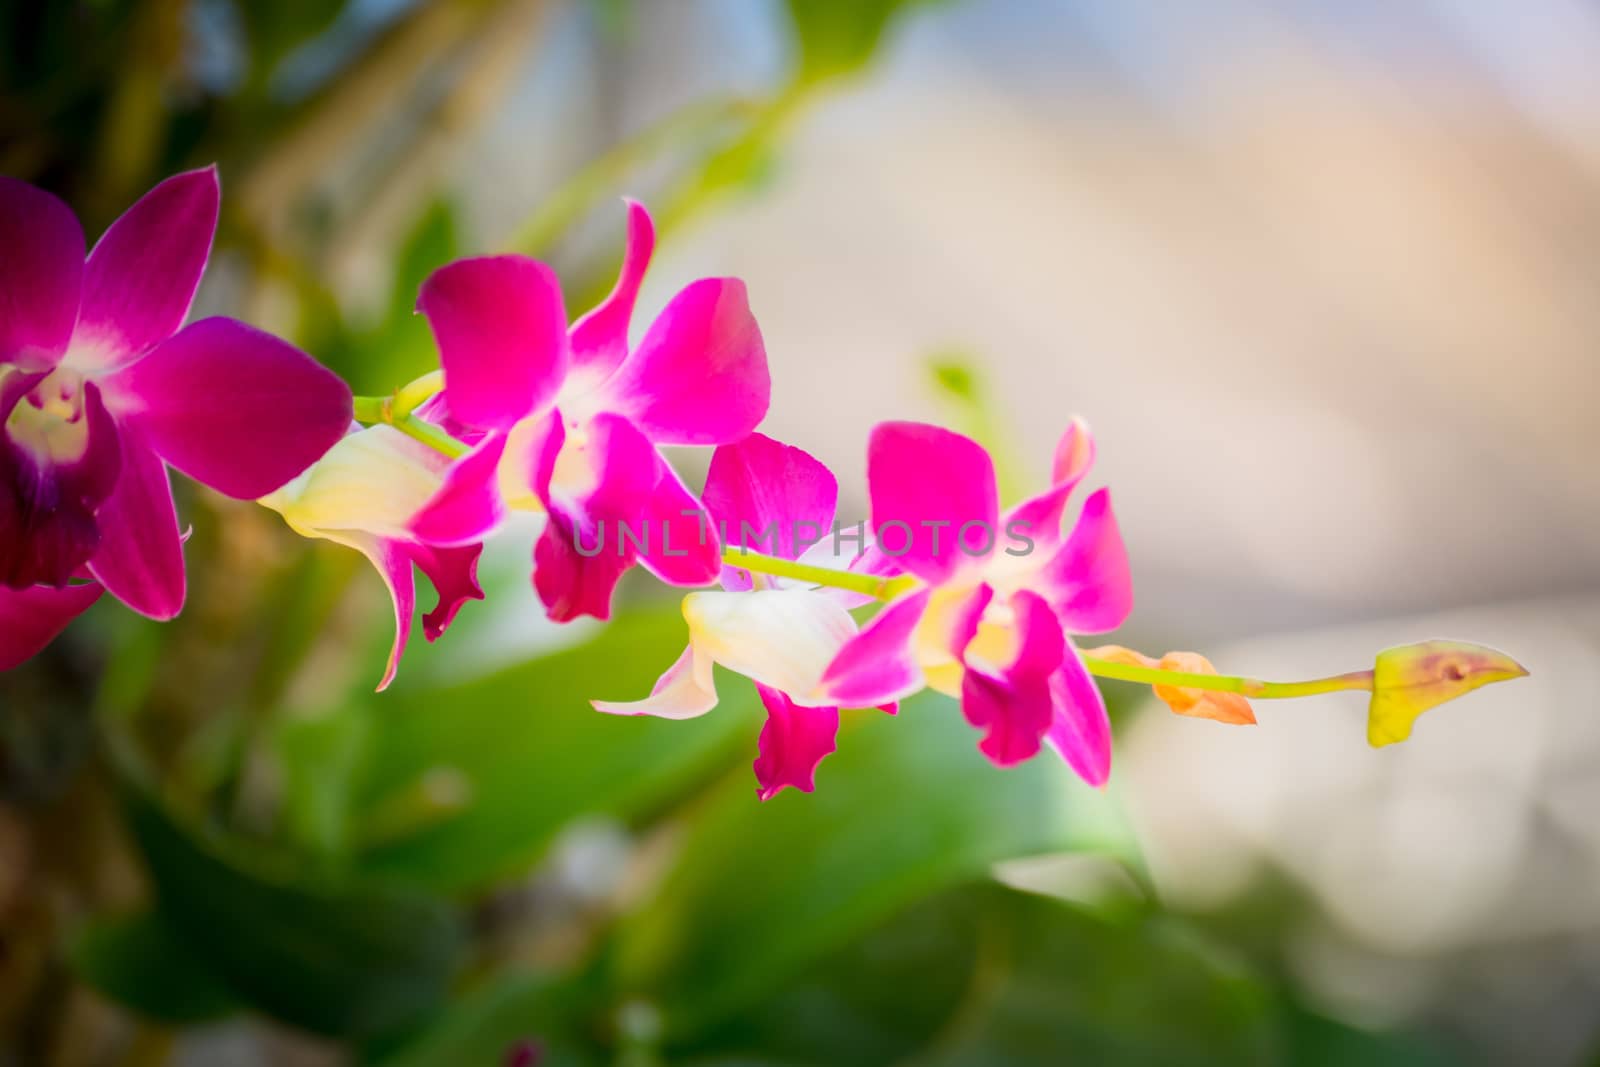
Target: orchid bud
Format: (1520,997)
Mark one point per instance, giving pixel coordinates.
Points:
(1410,679)
(1196,703)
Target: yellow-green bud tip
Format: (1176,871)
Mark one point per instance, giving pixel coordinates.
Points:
(1409,680)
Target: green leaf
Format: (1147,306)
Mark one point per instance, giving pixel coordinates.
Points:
(906,807)
(320,951)
(991,976)
(482,1026)
(137,961)
(1066,984)
(524,754)
(840,37)
(1317,1041)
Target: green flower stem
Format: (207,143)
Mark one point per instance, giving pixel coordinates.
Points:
(1224,683)
(865,584)
(393,411)
(430,435)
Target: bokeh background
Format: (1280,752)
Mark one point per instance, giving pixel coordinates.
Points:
(1320,274)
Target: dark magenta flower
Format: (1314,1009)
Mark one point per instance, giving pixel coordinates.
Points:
(100,391)
(571,421)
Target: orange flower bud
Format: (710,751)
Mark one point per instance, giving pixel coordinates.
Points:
(1196,703)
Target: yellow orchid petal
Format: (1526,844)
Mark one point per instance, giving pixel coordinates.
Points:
(782,638)
(685,691)
(373,480)
(1410,679)
(1196,703)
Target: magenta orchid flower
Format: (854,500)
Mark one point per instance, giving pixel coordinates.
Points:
(364,494)
(571,421)
(766,497)
(100,391)
(996,596)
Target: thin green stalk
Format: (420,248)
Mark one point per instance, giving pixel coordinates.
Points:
(430,435)
(865,584)
(1224,683)
(397,411)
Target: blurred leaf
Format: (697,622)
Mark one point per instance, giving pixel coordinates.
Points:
(1060,982)
(137,961)
(906,807)
(839,37)
(273,30)
(958,380)
(991,976)
(482,1026)
(399,347)
(530,754)
(324,953)
(320,757)
(1317,1041)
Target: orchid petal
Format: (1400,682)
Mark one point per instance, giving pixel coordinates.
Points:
(699,377)
(31,618)
(1012,702)
(793,742)
(233,407)
(468,507)
(877,666)
(612,501)
(140,558)
(1080,730)
(454,574)
(1088,581)
(927,484)
(501,327)
(600,337)
(41,275)
(571,583)
(142,275)
(1039,518)
(685,691)
(393,562)
(374,480)
(767,497)
(48,498)
(783,638)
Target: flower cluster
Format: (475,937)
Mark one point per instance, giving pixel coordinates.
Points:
(100,390)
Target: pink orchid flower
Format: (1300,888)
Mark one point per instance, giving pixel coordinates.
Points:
(767,497)
(100,391)
(570,422)
(364,495)
(996,598)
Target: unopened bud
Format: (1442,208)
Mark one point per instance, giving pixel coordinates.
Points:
(1409,680)
(1195,703)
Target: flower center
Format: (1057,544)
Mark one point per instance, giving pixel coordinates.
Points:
(49,420)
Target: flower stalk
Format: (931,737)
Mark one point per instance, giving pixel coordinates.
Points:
(398,411)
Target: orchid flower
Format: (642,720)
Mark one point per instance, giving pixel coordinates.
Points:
(364,495)
(987,618)
(570,421)
(100,391)
(781,634)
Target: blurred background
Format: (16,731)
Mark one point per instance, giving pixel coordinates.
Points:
(1320,274)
